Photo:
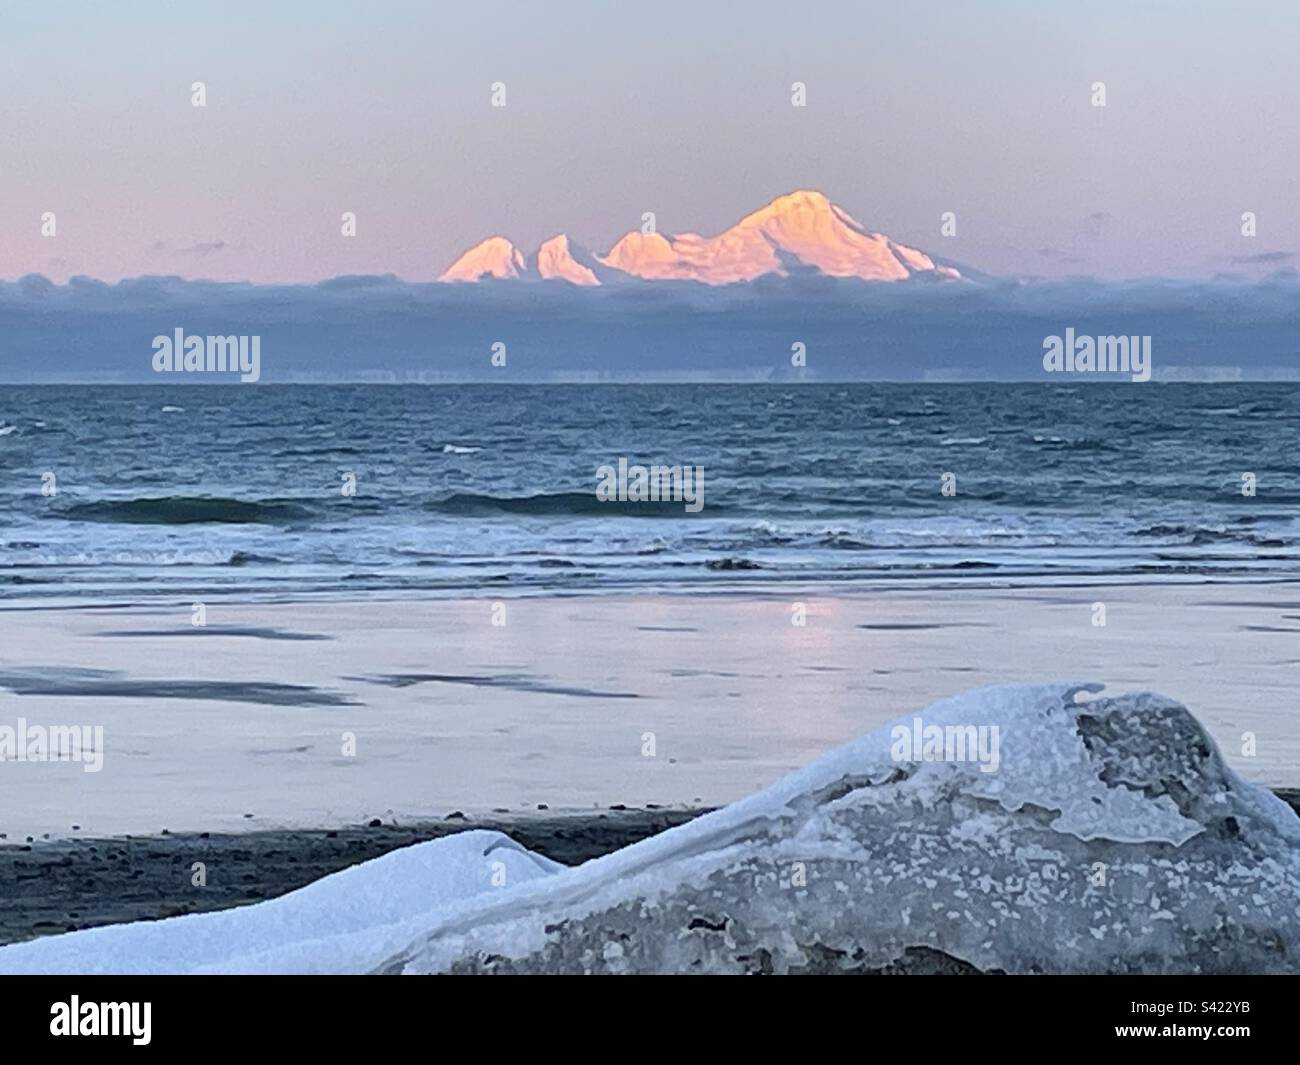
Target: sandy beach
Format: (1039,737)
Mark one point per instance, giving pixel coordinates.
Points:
(334,713)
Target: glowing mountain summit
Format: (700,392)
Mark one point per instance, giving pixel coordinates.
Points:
(494,257)
(558,260)
(799,233)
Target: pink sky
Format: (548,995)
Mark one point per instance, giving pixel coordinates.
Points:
(682,109)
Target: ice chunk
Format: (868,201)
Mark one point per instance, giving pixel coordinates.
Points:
(1111,837)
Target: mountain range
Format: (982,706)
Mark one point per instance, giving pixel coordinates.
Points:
(801,233)
(799,277)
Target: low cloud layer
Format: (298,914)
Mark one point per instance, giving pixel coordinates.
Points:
(382,328)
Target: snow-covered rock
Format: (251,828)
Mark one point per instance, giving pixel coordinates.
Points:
(1099,836)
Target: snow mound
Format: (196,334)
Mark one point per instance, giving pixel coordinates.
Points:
(344,923)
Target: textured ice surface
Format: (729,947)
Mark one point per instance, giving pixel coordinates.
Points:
(1111,838)
(344,923)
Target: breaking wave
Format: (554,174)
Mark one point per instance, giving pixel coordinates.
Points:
(185,510)
(573,504)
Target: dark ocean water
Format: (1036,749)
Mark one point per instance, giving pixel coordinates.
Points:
(189,490)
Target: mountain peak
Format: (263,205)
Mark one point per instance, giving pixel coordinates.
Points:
(800,232)
(647,255)
(799,200)
(494,257)
(558,259)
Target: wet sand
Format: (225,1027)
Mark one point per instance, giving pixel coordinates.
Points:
(333,712)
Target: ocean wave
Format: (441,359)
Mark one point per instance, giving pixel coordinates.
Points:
(185,510)
(1204,535)
(1082,443)
(565,504)
(248,558)
(317,452)
(844,541)
(767,532)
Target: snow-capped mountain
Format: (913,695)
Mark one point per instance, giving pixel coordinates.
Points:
(558,259)
(800,233)
(494,257)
